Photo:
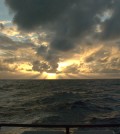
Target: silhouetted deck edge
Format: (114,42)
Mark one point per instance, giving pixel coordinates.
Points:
(67,127)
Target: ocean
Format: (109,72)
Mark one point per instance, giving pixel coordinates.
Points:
(60,101)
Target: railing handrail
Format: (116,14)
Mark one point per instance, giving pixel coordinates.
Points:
(57,125)
(67,127)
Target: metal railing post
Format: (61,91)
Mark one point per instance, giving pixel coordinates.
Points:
(67,130)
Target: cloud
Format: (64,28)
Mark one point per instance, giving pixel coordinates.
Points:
(7,43)
(40,66)
(50,56)
(105,60)
(111,27)
(87,31)
(6,67)
(1,26)
(5,40)
(38,12)
(74,69)
(62,44)
(18,75)
(69,20)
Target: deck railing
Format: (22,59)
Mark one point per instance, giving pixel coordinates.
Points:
(67,127)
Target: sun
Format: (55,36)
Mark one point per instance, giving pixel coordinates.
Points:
(50,75)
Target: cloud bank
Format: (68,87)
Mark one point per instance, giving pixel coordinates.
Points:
(87,28)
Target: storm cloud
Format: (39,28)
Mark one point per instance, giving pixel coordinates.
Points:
(70,20)
(32,13)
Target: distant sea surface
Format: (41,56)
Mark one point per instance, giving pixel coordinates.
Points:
(60,101)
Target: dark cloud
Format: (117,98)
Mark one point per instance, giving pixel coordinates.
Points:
(32,13)
(71,20)
(78,22)
(111,27)
(42,51)
(40,66)
(62,44)
(52,57)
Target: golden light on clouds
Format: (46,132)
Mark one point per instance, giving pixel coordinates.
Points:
(20,54)
(24,67)
(10,31)
(62,65)
(83,43)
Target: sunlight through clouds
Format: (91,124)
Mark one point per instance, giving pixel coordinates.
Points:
(76,42)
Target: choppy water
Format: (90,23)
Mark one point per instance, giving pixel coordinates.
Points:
(60,101)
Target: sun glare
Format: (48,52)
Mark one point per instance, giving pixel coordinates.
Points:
(50,75)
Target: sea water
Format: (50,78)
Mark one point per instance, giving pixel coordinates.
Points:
(60,101)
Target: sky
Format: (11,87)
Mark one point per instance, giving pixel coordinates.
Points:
(59,39)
